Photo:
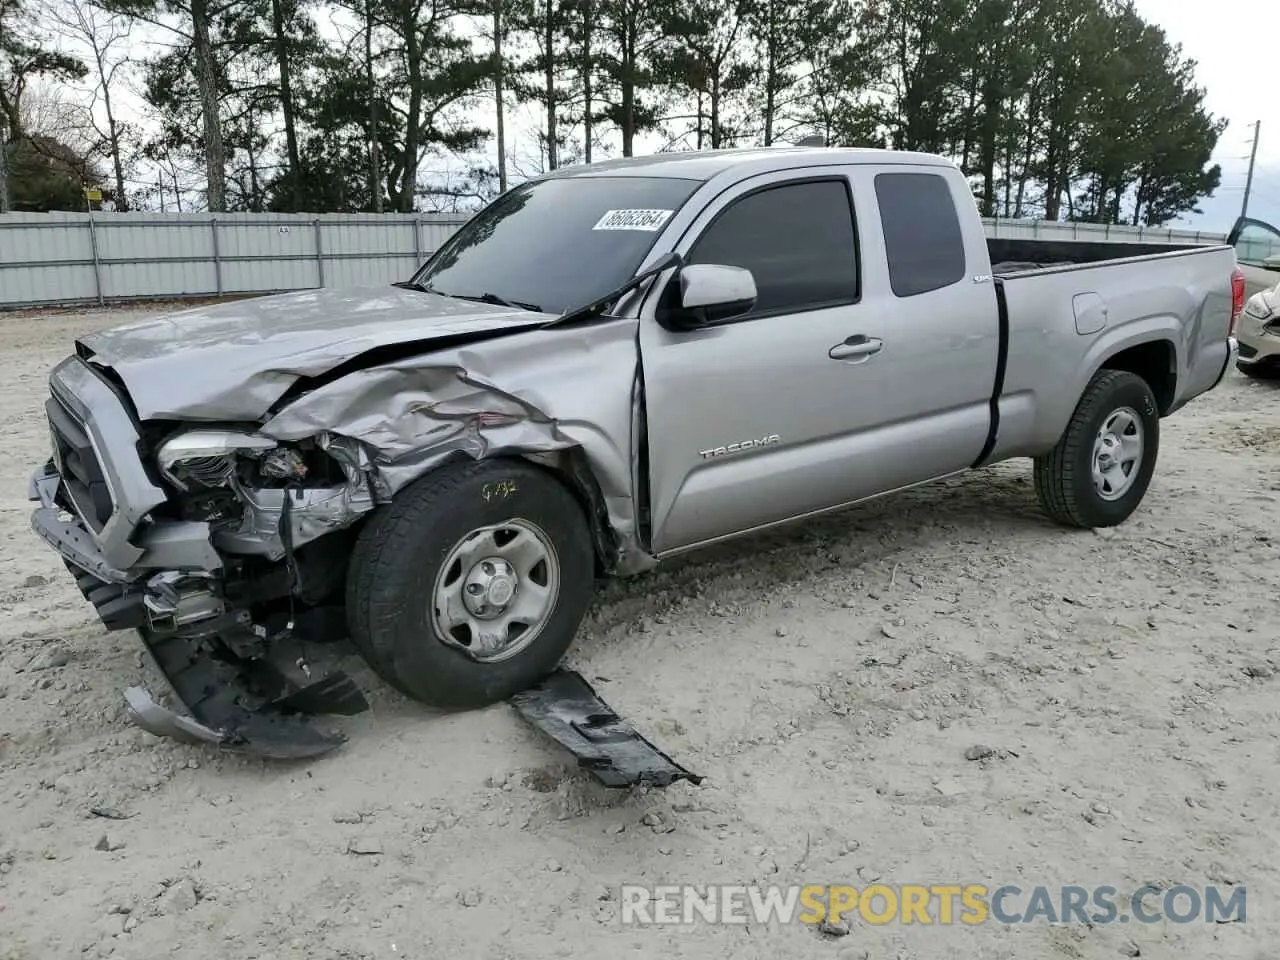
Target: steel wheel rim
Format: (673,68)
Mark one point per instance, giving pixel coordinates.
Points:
(1117,453)
(496,590)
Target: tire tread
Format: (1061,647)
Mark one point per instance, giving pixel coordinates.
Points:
(1054,472)
(375,603)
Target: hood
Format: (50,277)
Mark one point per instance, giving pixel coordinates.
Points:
(232,361)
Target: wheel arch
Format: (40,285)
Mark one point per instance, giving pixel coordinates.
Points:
(571,467)
(1155,361)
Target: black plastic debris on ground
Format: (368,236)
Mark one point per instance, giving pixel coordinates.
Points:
(566,708)
(247,698)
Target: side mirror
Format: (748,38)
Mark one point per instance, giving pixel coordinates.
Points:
(711,292)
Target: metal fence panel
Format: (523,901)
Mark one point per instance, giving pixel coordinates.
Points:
(67,258)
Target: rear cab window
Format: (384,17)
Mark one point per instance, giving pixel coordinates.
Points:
(798,240)
(923,241)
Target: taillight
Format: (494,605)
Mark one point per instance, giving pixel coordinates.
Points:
(1237,298)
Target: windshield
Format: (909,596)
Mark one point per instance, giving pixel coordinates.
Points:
(556,244)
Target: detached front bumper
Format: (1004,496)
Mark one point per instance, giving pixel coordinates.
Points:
(246,685)
(243,691)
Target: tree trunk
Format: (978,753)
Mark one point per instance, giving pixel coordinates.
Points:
(971,108)
(499,69)
(1052,194)
(254,203)
(628,92)
(281,42)
(992,97)
(770,73)
(1007,159)
(715,108)
(1033,117)
(113,139)
(4,171)
(207,82)
(375,152)
(697,139)
(587,71)
(413,125)
(549,79)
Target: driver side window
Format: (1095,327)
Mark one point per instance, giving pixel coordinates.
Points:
(798,241)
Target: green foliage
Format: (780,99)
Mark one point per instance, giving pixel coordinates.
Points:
(1055,108)
(23,57)
(47,175)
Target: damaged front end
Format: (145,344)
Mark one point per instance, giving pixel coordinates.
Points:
(219,522)
(224,548)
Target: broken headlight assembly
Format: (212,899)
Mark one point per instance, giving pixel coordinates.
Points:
(238,482)
(203,467)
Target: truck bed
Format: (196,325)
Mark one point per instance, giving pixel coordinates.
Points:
(1176,299)
(1017,255)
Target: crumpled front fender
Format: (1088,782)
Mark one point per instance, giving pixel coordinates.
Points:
(535,396)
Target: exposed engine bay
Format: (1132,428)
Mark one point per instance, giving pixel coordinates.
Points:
(214,508)
(251,647)
(253,652)
(260,498)
(213,473)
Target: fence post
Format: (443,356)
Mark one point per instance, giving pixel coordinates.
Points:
(217,260)
(97,264)
(319,253)
(417,243)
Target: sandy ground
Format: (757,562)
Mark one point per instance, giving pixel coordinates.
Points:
(827,680)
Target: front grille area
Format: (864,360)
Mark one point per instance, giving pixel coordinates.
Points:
(82,476)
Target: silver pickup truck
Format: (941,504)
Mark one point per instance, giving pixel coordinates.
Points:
(607,366)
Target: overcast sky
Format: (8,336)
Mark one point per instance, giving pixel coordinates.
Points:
(1233,42)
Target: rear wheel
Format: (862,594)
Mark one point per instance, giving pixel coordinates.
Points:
(1100,470)
(471,585)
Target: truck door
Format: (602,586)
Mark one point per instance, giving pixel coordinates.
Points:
(847,379)
(1257,251)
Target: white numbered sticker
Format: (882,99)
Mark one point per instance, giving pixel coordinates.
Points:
(649,220)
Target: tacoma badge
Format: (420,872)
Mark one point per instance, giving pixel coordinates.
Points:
(740,447)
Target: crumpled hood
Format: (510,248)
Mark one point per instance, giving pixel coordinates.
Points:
(232,361)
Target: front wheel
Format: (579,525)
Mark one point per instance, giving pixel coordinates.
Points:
(1100,470)
(471,584)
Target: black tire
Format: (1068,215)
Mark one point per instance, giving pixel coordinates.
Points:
(1064,475)
(391,580)
(1255,372)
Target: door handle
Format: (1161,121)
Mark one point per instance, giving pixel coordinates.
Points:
(856,346)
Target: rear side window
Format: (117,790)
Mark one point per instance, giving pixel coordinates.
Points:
(921,232)
(797,240)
